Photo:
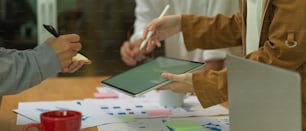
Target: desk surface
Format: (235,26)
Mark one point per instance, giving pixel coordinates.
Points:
(60,88)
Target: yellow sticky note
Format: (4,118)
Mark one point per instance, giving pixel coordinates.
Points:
(79,57)
(127,118)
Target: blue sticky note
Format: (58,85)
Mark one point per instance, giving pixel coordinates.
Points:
(183,125)
(121,113)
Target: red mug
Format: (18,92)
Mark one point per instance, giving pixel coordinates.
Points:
(58,120)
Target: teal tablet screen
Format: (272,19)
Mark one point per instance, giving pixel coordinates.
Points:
(147,76)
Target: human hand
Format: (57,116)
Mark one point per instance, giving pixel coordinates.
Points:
(182,83)
(130,52)
(163,28)
(74,66)
(65,47)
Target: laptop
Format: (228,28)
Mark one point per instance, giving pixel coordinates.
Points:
(263,97)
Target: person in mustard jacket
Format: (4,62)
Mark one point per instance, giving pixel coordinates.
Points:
(270,31)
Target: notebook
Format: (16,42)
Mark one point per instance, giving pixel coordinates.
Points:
(263,97)
(146,77)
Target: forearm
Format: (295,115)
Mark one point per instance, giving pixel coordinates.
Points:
(23,69)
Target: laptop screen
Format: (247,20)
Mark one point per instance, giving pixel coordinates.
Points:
(263,97)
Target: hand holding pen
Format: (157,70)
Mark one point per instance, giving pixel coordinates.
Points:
(163,28)
(52,30)
(66,48)
(150,33)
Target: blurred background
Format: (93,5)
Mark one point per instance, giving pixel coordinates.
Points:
(102,24)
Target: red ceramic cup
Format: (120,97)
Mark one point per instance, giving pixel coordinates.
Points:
(58,120)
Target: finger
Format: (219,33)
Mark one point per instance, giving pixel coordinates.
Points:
(74,66)
(165,87)
(150,46)
(126,50)
(65,70)
(76,46)
(87,62)
(71,37)
(129,61)
(127,54)
(154,24)
(185,78)
(157,43)
(145,32)
(155,40)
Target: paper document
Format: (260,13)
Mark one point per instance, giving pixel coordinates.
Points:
(90,116)
(159,124)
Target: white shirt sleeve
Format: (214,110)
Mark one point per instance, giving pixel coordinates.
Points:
(145,12)
(227,8)
(216,54)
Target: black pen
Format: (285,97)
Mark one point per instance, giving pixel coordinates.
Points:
(51,30)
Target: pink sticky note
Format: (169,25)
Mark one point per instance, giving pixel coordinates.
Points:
(158,112)
(105,95)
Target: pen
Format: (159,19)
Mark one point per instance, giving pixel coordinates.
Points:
(150,33)
(51,30)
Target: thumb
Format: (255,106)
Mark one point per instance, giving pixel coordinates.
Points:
(71,37)
(184,78)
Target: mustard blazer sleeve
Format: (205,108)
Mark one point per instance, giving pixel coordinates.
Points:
(283,22)
(211,32)
(210,86)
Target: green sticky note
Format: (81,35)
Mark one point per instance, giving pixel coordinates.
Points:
(184,125)
(127,118)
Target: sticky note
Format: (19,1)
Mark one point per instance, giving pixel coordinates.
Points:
(105,95)
(158,112)
(184,125)
(80,57)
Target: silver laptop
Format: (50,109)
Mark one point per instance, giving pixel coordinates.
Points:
(263,97)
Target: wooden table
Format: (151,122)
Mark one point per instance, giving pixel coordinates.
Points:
(59,88)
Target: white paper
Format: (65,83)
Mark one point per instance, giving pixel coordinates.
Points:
(157,124)
(191,106)
(90,117)
(94,115)
(22,120)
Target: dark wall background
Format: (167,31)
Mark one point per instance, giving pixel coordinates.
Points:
(102,24)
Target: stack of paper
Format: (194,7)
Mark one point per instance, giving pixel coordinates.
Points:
(121,109)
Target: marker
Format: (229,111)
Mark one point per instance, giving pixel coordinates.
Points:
(150,33)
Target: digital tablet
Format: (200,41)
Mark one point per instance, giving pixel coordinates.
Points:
(146,77)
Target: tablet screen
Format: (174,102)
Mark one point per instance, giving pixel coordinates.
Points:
(147,76)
